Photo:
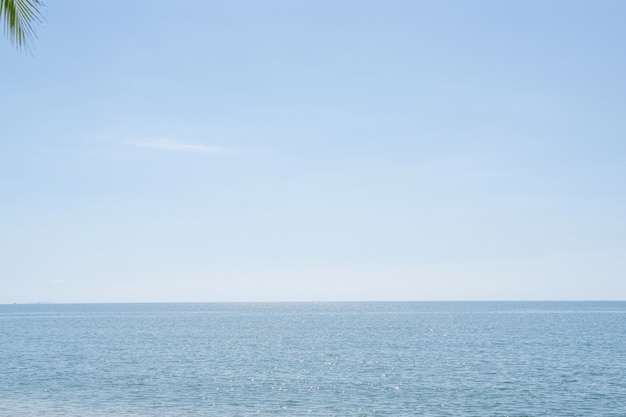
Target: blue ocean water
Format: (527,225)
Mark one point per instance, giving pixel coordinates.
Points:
(314,359)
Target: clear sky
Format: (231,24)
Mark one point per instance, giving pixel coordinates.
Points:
(196,150)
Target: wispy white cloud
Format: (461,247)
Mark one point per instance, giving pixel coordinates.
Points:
(174,145)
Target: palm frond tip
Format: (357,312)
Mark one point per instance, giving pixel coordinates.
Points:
(19,18)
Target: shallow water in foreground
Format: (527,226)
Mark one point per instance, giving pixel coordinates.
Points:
(314,359)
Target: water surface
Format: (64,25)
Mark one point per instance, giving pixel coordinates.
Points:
(314,359)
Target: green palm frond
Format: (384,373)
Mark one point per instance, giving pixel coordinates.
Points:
(19,17)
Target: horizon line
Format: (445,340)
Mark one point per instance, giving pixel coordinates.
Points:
(322,301)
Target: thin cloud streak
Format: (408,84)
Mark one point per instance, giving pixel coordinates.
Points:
(177,146)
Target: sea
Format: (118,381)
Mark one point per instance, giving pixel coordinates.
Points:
(314,359)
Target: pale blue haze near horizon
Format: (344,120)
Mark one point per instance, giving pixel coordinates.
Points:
(321,150)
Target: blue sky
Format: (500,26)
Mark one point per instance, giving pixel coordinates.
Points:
(315,150)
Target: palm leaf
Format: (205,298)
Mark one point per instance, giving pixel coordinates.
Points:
(19,17)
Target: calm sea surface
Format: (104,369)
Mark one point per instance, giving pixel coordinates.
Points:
(314,359)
